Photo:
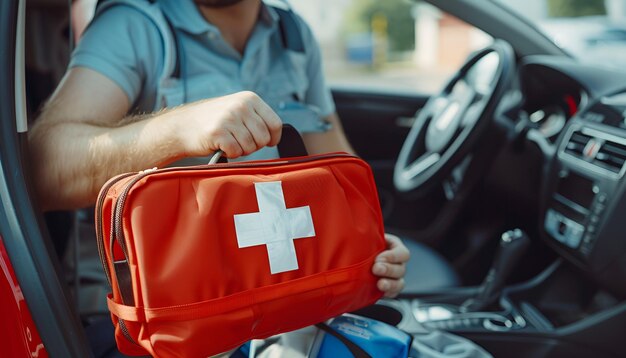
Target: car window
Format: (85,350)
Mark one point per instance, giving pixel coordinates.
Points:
(396,45)
(392,44)
(594,31)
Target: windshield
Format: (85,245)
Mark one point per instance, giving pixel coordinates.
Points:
(593,31)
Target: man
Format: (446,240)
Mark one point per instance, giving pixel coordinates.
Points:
(89,130)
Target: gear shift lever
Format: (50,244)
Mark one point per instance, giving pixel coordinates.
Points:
(513,244)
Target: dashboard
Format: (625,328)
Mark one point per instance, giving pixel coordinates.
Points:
(551,99)
(578,113)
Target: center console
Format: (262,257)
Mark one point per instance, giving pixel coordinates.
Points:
(557,314)
(583,194)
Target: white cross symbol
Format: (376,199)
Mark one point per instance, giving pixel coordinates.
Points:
(275,226)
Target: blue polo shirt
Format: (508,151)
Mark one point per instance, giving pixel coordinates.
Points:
(125,45)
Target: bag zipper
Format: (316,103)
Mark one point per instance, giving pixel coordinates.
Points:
(100,240)
(125,332)
(99,235)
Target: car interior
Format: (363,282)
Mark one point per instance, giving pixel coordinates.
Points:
(507,186)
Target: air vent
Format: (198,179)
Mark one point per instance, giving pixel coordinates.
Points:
(611,156)
(603,150)
(577,143)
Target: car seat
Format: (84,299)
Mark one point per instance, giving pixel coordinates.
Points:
(427,270)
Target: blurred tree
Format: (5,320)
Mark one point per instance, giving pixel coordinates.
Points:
(400,23)
(574,8)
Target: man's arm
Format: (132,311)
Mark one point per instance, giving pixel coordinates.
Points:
(333,140)
(82,137)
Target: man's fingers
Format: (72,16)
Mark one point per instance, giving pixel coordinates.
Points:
(230,146)
(253,132)
(383,269)
(271,119)
(390,287)
(244,115)
(258,129)
(244,138)
(393,241)
(396,251)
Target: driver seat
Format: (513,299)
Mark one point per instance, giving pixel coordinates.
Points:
(427,270)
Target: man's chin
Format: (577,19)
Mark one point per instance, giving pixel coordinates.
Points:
(217,3)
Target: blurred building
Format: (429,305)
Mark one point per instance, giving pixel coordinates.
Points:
(443,41)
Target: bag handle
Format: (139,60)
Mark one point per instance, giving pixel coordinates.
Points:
(290,145)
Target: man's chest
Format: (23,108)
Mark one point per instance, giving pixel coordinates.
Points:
(208,71)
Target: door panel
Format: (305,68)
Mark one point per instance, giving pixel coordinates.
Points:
(376,125)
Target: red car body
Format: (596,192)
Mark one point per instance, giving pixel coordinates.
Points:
(21,338)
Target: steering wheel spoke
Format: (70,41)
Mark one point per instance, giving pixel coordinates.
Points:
(421,164)
(452,121)
(453,182)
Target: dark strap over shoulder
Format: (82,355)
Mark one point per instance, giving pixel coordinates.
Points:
(290,33)
(177,50)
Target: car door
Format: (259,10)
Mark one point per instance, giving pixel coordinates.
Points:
(27,266)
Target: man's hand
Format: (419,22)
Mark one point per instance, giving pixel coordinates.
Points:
(390,266)
(238,124)
(83,136)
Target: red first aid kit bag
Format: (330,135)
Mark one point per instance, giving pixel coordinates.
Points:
(202,259)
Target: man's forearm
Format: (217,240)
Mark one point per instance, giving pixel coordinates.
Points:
(73,159)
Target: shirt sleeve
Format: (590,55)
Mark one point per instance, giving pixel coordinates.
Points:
(317,94)
(121,44)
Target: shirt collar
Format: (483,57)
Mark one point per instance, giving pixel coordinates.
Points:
(268,15)
(184,15)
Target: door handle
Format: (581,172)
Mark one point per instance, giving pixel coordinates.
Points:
(406,122)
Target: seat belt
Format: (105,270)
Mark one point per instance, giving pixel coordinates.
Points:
(290,33)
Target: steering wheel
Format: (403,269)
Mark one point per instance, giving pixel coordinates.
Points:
(450,124)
